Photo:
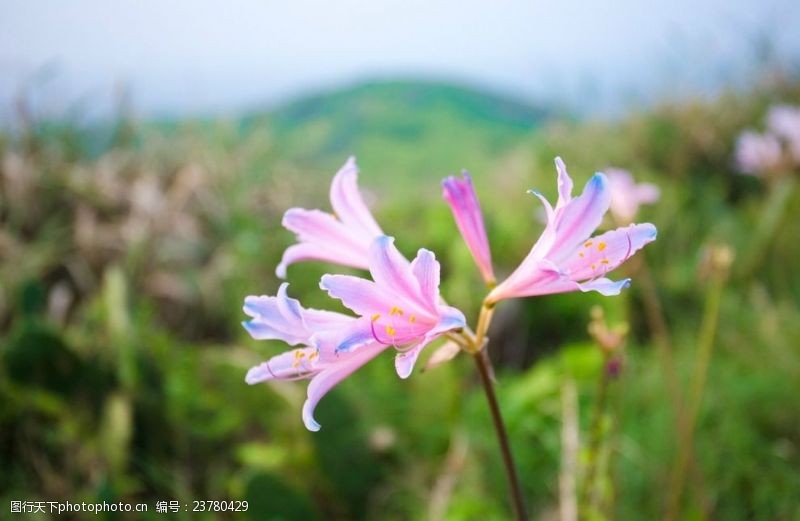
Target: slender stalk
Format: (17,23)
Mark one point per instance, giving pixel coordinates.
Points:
(485,318)
(484,369)
(446,483)
(658,326)
(570,446)
(773,214)
(705,349)
(662,340)
(595,436)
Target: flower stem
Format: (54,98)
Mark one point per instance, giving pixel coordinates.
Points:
(595,437)
(774,212)
(484,369)
(708,330)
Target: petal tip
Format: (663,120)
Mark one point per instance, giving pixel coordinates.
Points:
(598,180)
(308,418)
(280,270)
(254,375)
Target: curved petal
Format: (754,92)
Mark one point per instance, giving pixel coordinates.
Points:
(332,375)
(426,268)
(348,203)
(405,360)
(548,208)
(261,331)
(351,337)
(270,320)
(564,184)
(604,253)
(320,320)
(288,307)
(362,296)
(309,251)
(283,318)
(463,201)
(450,319)
(604,286)
(392,271)
(290,365)
(580,217)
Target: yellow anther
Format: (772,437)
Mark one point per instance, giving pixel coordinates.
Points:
(296,364)
(375,317)
(594,266)
(314,355)
(587,244)
(298,354)
(412,318)
(581,255)
(395,311)
(604,261)
(390,331)
(601,246)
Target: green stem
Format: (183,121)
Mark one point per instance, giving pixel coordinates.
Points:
(774,211)
(705,349)
(664,349)
(484,369)
(595,437)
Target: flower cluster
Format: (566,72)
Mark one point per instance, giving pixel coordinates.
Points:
(774,151)
(399,306)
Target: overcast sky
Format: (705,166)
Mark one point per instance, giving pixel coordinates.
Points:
(204,57)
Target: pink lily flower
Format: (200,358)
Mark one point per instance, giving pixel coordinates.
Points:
(566,257)
(400,307)
(757,154)
(283,318)
(463,201)
(343,238)
(784,121)
(627,195)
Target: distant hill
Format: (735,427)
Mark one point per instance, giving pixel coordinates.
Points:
(401,128)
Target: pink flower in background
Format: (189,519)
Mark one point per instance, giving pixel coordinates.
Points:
(460,195)
(566,257)
(283,318)
(784,122)
(627,195)
(400,307)
(343,238)
(757,154)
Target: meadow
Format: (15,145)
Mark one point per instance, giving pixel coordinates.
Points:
(126,250)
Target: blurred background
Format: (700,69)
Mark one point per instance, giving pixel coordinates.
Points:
(149,150)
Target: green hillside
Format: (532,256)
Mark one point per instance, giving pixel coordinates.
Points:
(401,128)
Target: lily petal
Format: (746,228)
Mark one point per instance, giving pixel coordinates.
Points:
(322,237)
(283,318)
(426,270)
(463,201)
(450,319)
(331,376)
(362,296)
(564,184)
(297,363)
(347,201)
(405,360)
(605,287)
(580,217)
(603,253)
(390,269)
